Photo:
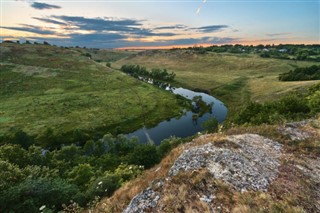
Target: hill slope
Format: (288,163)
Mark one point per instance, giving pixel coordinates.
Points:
(46,89)
(233,78)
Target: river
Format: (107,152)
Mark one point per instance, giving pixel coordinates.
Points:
(185,125)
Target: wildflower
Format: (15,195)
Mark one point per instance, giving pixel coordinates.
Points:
(42,207)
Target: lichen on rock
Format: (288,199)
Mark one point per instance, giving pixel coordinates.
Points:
(253,165)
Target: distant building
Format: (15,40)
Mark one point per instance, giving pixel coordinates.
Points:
(265,50)
(283,50)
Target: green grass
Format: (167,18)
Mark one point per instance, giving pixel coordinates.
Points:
(39,92)
(233,78)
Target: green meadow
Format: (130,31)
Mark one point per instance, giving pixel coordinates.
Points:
(233,78)
(61,91)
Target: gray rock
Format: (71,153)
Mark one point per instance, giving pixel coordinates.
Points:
(293,131)
(246,162)
(147,199)
(252,165)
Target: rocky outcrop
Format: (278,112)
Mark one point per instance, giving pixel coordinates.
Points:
(145,200)
(251,164)
(246,162)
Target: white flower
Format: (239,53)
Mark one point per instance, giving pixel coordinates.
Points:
(100,183)
(42,207)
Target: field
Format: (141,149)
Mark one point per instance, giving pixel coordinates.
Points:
(50,88)
(233,78)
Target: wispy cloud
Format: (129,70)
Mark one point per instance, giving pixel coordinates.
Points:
(210,28)
(32,29)
(177,26)
(50,21)
(43,6)
(199,8)
(278,34)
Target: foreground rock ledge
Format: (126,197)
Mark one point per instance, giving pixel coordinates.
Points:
(245,162)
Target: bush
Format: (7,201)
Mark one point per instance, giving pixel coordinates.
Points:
(302,74)
(289,107)
(145,155)
(314,101)
(103,186)
(31,194)
(167,144)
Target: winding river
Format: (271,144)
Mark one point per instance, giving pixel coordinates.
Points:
(185,125)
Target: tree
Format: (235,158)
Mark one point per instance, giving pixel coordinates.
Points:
(14,154)
(9,175)
(22,138)
(81,174)
(145,155)
(211,125)
(31,194)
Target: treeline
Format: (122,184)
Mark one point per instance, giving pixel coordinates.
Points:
(281,51)
(301,74)
(34,177)
(294,106)
(156,74)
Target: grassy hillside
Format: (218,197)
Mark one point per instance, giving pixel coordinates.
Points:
(233,78)
(46,88)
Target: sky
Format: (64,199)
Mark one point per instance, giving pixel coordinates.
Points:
(161,23)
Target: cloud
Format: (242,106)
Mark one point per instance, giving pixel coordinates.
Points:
(31,29)
(203,40)
(122,26)
(100,24)
(277,34)
(43,6)
(184,41)
(48,20)
(178,26)
(107,32)
(210,29)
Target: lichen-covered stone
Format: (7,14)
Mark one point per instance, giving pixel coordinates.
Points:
(145,200)
(252,165)
(293,131)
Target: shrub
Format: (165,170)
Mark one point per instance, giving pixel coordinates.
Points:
(31,194)
(145,155)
